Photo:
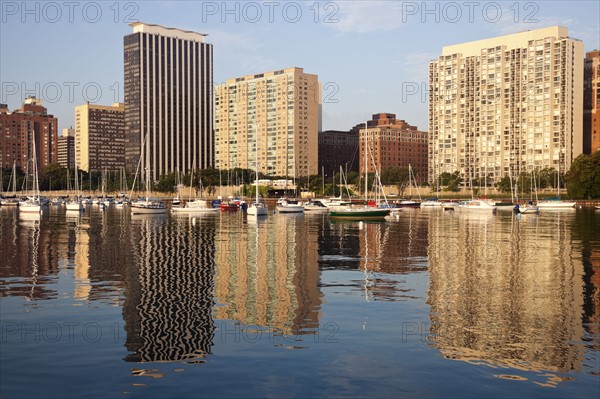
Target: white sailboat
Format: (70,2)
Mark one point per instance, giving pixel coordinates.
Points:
(198,205)
(556,203)
(530,207)
(177,200)
(257,208)
(33,203)
(361,212)
(75,204)
(409,203)
(285,205)
(12,200)
(480,206)
(148,206)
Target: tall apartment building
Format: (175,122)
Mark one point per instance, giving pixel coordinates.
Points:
(591,102)
(506,105)
(100,137)
(393,142)
(168,100)
(273,117)
(338,148)
(66,148)
(22,129)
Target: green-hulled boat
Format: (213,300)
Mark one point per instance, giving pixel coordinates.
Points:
(361,213)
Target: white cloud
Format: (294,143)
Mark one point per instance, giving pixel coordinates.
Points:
(509,23)
(240,54)
(368,16)
(415,66)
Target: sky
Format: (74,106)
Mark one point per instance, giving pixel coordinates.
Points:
(370,56)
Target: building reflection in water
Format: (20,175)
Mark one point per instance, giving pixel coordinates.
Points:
(81,261)
(382,251)
(169,300)
(29,256)
(506,293)
(267,275)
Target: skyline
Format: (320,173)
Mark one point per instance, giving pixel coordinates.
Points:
(356,48)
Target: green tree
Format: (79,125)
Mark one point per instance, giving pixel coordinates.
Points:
(396,176)
(546,177)
(54,177)
(504,184)
(452,181)
(583,180)
(166,184)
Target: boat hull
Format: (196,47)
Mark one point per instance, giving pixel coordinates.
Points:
(290,209)
(476,206)
(361,214)
(556,205)
(26,208)
(256,211)
(74,206)
(195,210)
(147,211)
(530,209)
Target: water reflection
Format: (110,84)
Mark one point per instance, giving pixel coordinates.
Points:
(29,256)
(519,294)
(267,275)
(382,251)
(169,280)
(507,291)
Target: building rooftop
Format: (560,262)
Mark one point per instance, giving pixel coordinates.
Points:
(510,41)
(141,27)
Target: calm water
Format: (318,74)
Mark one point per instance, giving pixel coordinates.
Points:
(437,304)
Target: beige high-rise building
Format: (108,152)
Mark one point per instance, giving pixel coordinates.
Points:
(506,105)
(100,137)
(274,116)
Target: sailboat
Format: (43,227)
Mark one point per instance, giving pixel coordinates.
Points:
(147,206)
(257,208)
(33,203)
(530,207)
(74,204)
(12,200)
(177,200)
(198,205)
(409,203)
(556,202)
(360,212)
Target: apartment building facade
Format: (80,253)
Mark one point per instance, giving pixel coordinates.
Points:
(506,105)
(100,137)
(591,102)
(392,142)
(271,118)
(168,100)
(22,129)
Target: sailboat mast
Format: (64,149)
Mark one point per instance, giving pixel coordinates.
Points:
(366,144)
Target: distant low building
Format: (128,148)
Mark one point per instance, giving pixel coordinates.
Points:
(393,143)
(66,148)
(338,148)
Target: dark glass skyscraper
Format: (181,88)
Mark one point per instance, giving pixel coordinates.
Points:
(168,100)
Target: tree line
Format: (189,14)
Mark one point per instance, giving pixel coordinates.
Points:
(581,181)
